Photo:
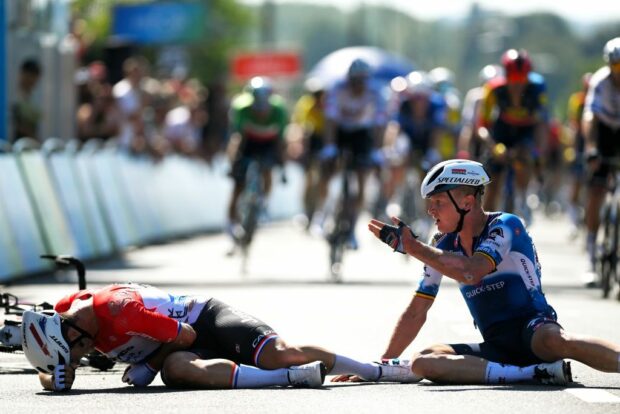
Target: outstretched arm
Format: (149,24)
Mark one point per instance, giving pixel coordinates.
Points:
(463,269)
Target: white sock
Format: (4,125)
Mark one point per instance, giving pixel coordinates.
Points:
(246,376)
(504,374)
(367,370)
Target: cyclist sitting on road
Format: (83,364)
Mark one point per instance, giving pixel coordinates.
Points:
(308,122)
(494,260)
(601,128)
(355,116)
(196,342)
(258,118)
(513,116)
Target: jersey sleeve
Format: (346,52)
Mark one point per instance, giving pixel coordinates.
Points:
(487,104)
(497,244)
(431,278)
(135,319)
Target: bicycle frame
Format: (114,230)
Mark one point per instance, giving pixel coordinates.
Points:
(610,245)
(339,236)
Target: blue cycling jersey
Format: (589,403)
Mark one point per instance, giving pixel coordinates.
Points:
(419,130)
(513,290)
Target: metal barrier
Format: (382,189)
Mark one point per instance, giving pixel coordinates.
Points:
(96,201)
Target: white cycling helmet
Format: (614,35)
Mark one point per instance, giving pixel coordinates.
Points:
(419,83)
(611,51)
(490,72)
(43,342)
(451,174)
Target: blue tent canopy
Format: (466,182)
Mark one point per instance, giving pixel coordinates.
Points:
(386,65)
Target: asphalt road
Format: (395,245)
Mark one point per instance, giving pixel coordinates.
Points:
(287,286)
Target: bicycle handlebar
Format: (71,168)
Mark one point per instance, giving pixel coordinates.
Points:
(65,260)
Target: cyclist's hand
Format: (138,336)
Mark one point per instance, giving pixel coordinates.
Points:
(139,375)
(394,236)
(62,378)
(328,152)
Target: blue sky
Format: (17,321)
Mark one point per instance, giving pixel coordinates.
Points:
(582,11)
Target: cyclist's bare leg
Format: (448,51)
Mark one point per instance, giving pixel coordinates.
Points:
(232,206)
(551,343)
(186,369)
(492,191)
(362,175)
(396,177)
(596,196)
(439,363)
(267,179)
(278,354)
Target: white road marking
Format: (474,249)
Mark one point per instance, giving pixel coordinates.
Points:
(591,395)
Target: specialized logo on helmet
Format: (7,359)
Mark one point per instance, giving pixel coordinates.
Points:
(460,180)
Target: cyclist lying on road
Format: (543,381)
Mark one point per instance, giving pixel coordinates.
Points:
(494,260)
(196,342)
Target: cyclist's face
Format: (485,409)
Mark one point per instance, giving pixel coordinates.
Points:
(441,209)
(615,68)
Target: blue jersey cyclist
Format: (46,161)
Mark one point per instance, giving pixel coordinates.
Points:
(493,259)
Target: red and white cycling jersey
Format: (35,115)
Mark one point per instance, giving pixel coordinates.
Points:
(134,320)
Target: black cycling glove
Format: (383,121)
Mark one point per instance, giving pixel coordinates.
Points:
(393,236)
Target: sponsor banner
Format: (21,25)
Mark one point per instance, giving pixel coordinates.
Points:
(159,22)
(275,64)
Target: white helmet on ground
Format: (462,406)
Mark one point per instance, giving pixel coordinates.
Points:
(451,174)
(43,342)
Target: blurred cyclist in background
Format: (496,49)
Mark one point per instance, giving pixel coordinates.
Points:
(258,118)
(513,122)
(412,137)
(576,104)
(470,146)
(443,82)
(601,128)
(355,118)
(308,126)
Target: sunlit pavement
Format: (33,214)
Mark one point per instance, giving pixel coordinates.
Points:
(287,285)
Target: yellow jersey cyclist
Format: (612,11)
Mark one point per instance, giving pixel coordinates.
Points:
(513,121)
(308,128)
(601,128)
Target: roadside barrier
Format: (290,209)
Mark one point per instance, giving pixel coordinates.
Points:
(96,201)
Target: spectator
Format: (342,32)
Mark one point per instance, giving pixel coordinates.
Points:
(25,112)
(131,99)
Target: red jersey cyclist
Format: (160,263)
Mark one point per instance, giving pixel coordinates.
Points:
(513,122)
(194,341)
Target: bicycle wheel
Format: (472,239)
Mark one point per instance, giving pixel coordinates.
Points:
(609,254)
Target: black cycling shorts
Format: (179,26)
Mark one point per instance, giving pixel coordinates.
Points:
(360,142)
(608,144)
(266,153)
(509,342)
(228,333)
